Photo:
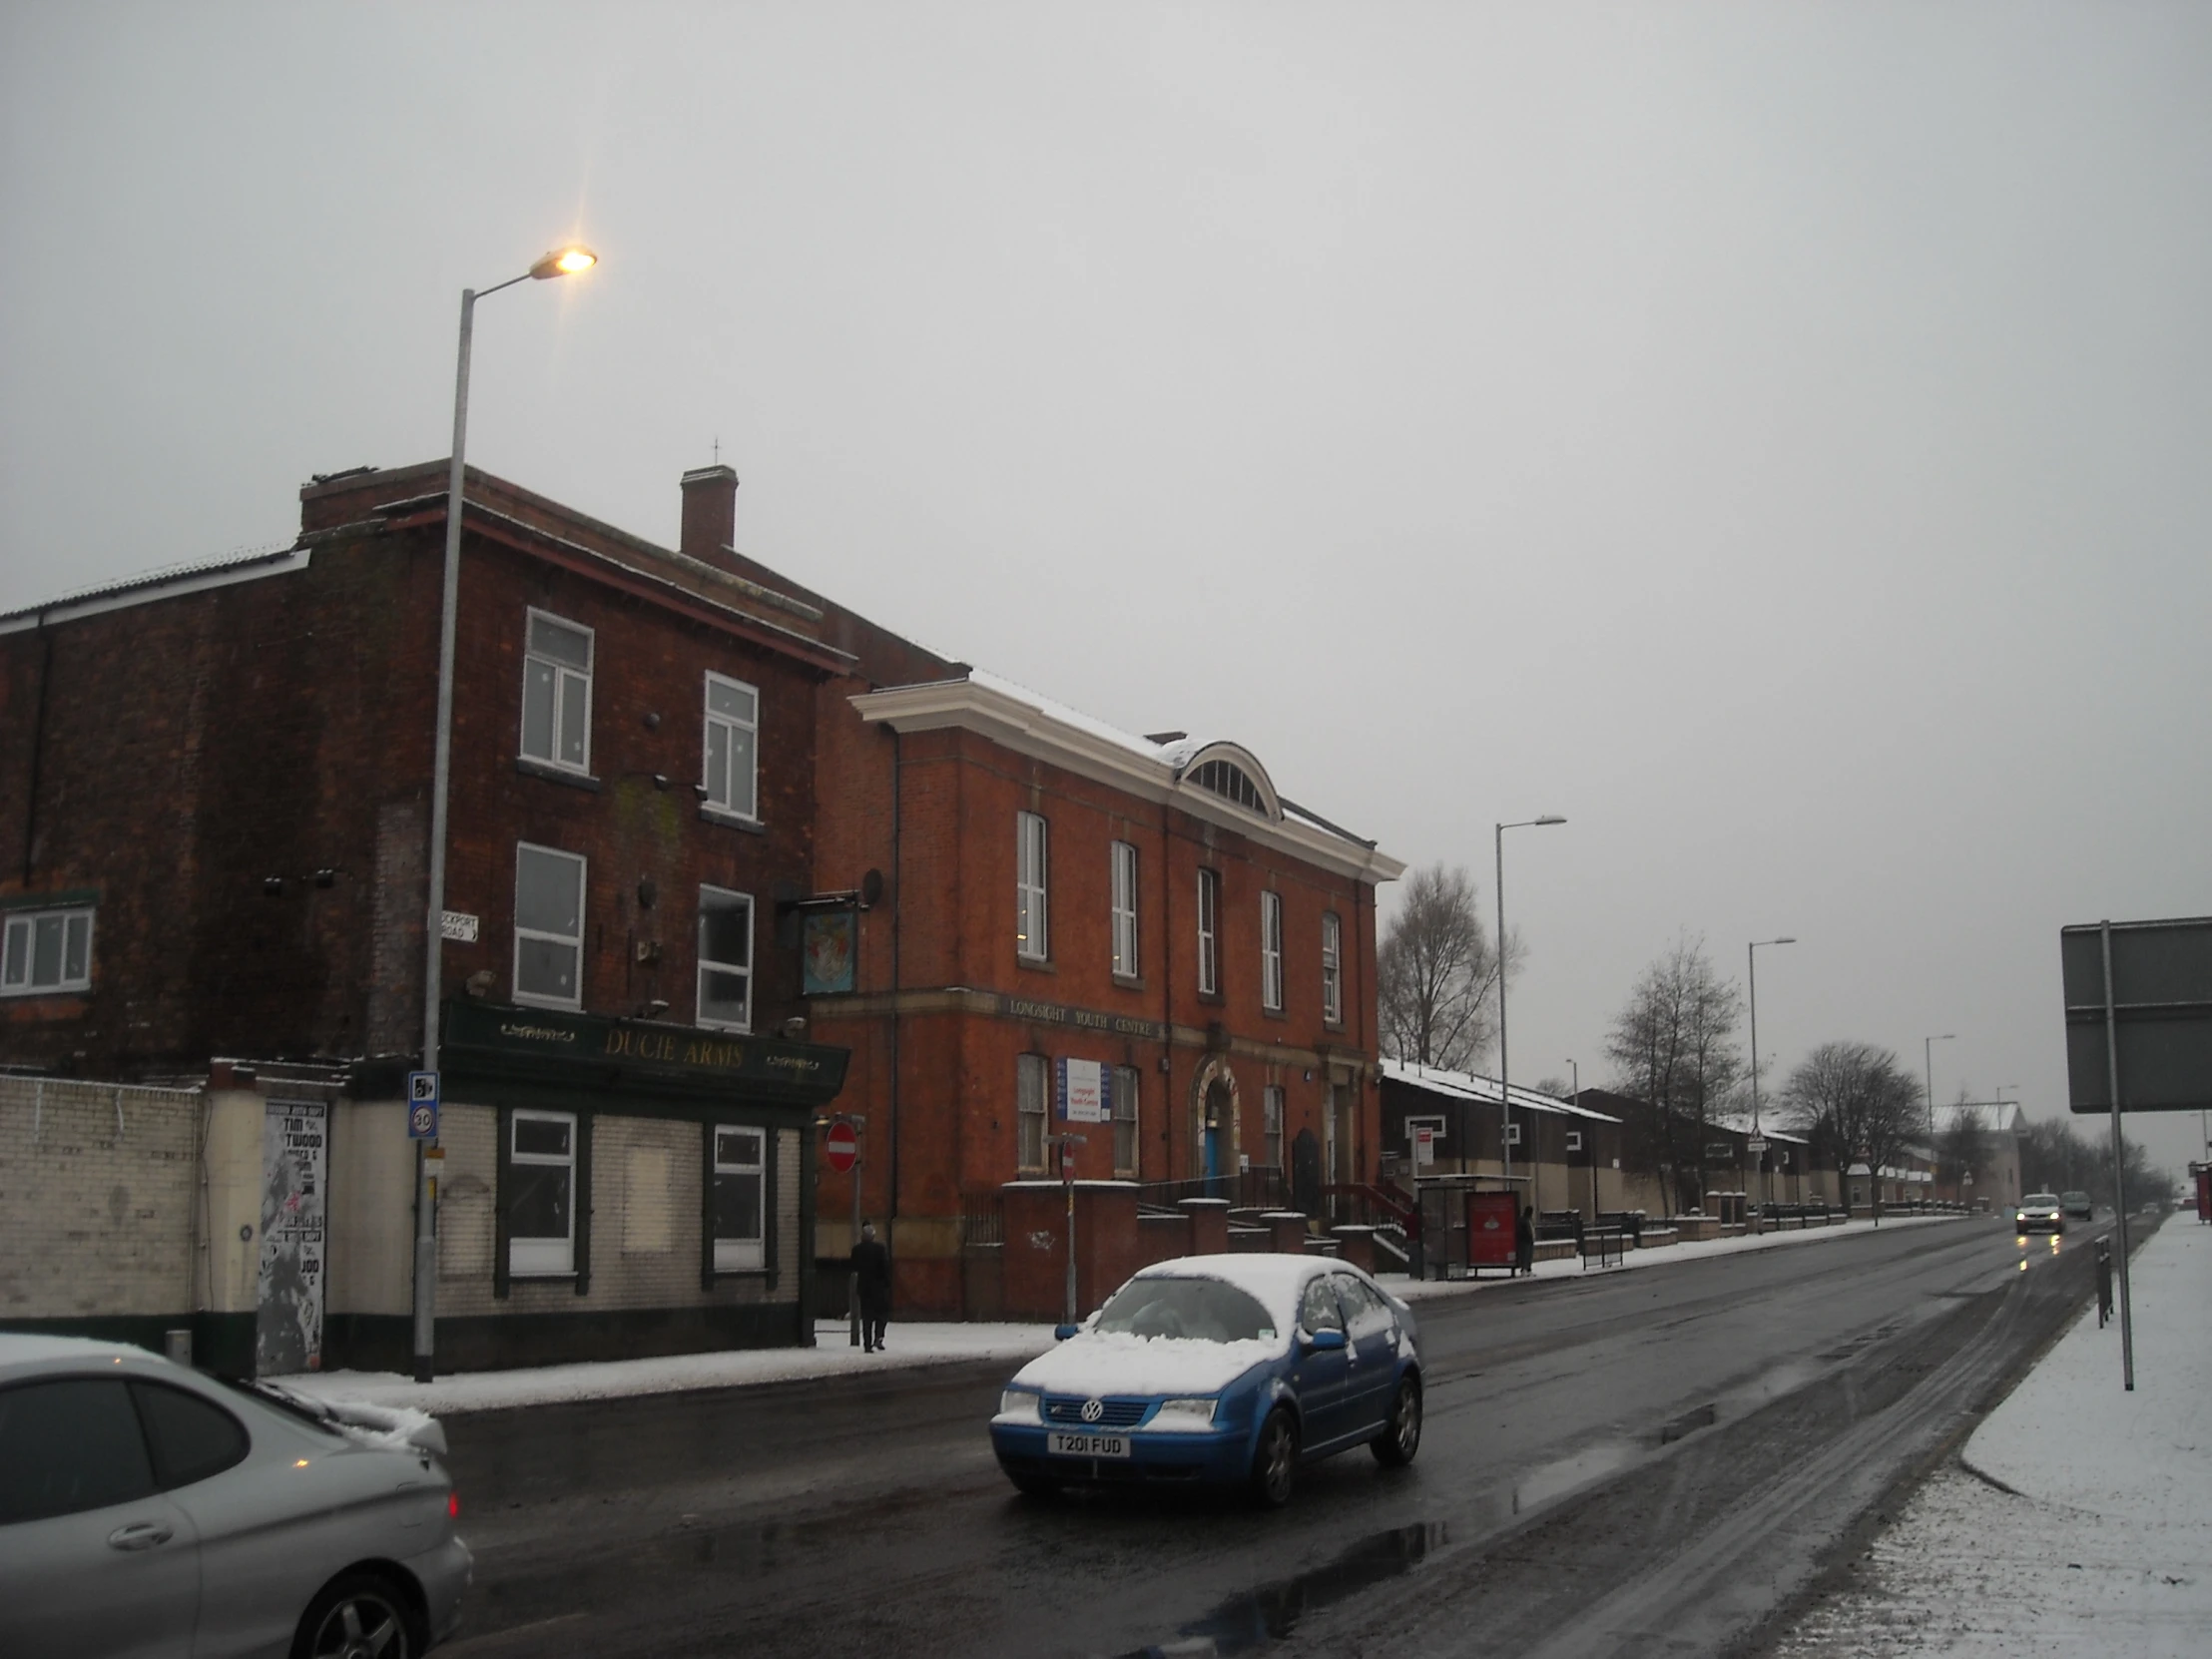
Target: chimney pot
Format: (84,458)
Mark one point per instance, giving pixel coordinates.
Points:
(710,514)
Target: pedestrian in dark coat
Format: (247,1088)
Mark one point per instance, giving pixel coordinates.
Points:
(1525,1240)
(871,1273)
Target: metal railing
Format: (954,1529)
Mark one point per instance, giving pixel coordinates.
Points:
(983,1219)
(1258,1188)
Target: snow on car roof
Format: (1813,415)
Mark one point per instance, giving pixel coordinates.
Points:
(20,1347)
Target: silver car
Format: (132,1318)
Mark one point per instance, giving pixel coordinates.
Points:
(149,1511)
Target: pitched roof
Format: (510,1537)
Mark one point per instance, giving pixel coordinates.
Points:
(1460,1085)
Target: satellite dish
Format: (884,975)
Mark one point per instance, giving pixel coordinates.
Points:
(871,886)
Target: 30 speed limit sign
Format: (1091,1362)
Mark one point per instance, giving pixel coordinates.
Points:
(423,1105)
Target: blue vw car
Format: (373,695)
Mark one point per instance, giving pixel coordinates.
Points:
(1218,1370)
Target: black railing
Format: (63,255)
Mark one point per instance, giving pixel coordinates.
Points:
(1259,1188)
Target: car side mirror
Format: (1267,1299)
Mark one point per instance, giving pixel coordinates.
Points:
(1061,1333)
(1325,1341)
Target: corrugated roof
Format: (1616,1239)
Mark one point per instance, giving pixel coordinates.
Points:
(167,576)
(1460,1085)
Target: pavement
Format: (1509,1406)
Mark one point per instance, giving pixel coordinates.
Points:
(2076,1520)
(912,1345)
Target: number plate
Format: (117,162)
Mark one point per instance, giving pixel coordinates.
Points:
(1089,1445)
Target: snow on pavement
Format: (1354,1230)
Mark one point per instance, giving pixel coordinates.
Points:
(906,1347)
(1659,1256)
(2103,1543)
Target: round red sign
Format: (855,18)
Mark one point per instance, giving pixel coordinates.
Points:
(842,1148)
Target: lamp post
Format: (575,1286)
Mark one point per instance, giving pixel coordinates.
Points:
(561,262)
(1927,1066)
(1752,980)
(1504,1074)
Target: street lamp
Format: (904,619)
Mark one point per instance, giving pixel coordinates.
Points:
(1927,1063)
(1753,978)
(1504,1074)
(560,261)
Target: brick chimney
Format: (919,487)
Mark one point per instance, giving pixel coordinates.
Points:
(710,514)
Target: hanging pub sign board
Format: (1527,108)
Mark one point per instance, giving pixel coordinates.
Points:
(2158,1015)
(1086,1091)
(829,952)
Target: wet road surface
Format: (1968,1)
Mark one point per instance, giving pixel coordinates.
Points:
(1654,1461)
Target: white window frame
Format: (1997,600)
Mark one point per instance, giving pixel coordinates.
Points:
(1272,1109)
(1208,933)
(1331,969)
(706,966)
(19,951)
(537,1000)
(718,730)
(1032,896)
(543,1258)
(740,1255)
(1126,961)
(1271,951)
(1033,1110)
(562,673)
(1125,1122)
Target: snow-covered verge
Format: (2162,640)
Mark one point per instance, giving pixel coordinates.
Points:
(2103,1542)
(1660,1256)
(907,1346)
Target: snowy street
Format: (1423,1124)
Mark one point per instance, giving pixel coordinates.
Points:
(1681,1448)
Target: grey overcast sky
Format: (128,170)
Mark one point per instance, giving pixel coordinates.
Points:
(1774,436)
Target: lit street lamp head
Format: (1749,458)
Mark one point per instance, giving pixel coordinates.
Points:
(564,261)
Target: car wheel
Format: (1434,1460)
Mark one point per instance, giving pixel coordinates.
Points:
(1275,1461)
(357,1616)
(1401,1437)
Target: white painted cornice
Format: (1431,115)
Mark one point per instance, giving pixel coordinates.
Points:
(1092,749)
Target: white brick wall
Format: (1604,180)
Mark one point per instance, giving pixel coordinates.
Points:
(97,1187)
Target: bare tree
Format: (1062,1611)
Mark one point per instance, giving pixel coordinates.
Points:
(1673,1046)
(1856,1104)
(1437,973)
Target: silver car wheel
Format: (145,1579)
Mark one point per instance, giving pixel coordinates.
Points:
(364,1623)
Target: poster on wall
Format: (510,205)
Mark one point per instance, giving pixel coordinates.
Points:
(288,1317)
(827,951)
(1086,1091)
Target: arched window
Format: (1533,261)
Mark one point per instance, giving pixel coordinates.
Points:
(1227,781)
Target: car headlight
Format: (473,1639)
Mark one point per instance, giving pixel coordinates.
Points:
(1185,1414)
(1021,1406)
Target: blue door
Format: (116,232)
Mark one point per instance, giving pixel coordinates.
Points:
(1371,1330)
(1323,1377)
(1212,1155)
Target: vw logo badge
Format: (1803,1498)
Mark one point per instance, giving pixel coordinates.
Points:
(1093,1409)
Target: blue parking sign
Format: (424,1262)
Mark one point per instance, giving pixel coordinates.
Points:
(423,1105)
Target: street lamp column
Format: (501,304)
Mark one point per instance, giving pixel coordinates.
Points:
(1504,1073)
(1751,981)
(562,261)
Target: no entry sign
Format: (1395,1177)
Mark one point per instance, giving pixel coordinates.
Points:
(842,1148)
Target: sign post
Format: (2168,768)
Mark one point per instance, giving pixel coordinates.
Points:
(842,1150)
(422,1129)
(2138,1005)
(1067,1145)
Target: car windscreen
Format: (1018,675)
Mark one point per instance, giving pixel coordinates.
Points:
(1205,1309)
(2048,1201)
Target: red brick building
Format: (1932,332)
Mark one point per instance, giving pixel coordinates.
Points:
(693,802)
(1132,940)
(217,788)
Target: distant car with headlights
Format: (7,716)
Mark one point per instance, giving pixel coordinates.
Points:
(147,1509)
(2077,1206)
(1225,1370)
(2040,1213)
